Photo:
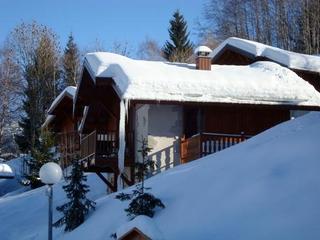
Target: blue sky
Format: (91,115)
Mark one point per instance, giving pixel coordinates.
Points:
(106,20)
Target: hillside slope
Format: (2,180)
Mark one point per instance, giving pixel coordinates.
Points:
(265,188)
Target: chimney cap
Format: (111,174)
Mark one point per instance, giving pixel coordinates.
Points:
(202,51)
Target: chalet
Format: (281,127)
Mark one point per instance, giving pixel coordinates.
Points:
(60,121)
(237,51)
(185,111)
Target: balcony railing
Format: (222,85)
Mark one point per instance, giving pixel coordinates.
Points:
(97,148)
(204,144)
(69,146)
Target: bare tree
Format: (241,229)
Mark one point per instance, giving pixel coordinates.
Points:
(149,49)
(122,48)
(10,99)
(274,22)
(36,52)
(309,26)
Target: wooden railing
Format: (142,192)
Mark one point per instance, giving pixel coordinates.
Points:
(204,144)
(103,145)
(69,146)
(88,145)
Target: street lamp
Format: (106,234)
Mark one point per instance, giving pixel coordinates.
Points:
(50,173)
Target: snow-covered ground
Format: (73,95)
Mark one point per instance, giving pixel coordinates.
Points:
(265,188)
(13,186)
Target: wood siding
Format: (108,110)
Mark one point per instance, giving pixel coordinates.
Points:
(242,120)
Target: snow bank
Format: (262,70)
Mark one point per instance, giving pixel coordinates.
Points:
(25,216)
(290,59)
(265,188)
(6,171)
(13,186)
(259,83)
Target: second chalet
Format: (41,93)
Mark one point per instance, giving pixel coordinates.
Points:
(185,111)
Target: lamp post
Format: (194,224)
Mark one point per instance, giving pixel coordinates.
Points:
(50,173)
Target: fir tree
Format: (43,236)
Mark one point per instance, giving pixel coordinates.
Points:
(30,122)
(75,211)
(142,203)
(44,153)
(180,48)
(71,63)
(41,75)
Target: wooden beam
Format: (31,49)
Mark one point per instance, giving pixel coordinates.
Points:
(126,180)
(112,187)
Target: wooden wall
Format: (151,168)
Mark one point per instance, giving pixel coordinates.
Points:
(235,119)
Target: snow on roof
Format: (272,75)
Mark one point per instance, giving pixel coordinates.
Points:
(6,171)
(258,83)
(68,91)
(202,49)
(144,224)
(48,120)
(290,59)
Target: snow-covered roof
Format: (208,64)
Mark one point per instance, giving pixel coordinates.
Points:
(48,120)
(68,91)
(258,83)
(287,58)
(142,223)
(6,171)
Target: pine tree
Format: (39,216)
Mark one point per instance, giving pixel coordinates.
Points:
(75,211)
(44,153)
(30,122)
(71,63)
(180,48)
(41,74)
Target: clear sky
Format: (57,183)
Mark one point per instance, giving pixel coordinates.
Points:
(106,20)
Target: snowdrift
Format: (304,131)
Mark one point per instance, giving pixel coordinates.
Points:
(265,188)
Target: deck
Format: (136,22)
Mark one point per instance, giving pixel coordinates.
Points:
(99,151)
(203,144)
(69,147)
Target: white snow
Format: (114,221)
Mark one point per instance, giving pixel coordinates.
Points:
(144,224)
(5,170)
(265,188)
(13,186)
(202,49)
(68,91)
(259,83)
(287,58)
(48,120)
(25,216)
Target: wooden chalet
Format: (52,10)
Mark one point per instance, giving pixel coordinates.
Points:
(237,51)
(60,121)
(184,111)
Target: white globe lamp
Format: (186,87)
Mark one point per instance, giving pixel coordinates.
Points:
(50,173)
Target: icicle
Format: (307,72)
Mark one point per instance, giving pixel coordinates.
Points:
(122,142)
(127,105)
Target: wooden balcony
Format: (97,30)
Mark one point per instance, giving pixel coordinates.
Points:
(99,151)
(69,146)
(204,144)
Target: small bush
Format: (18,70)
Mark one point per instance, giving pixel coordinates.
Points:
(143,204)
